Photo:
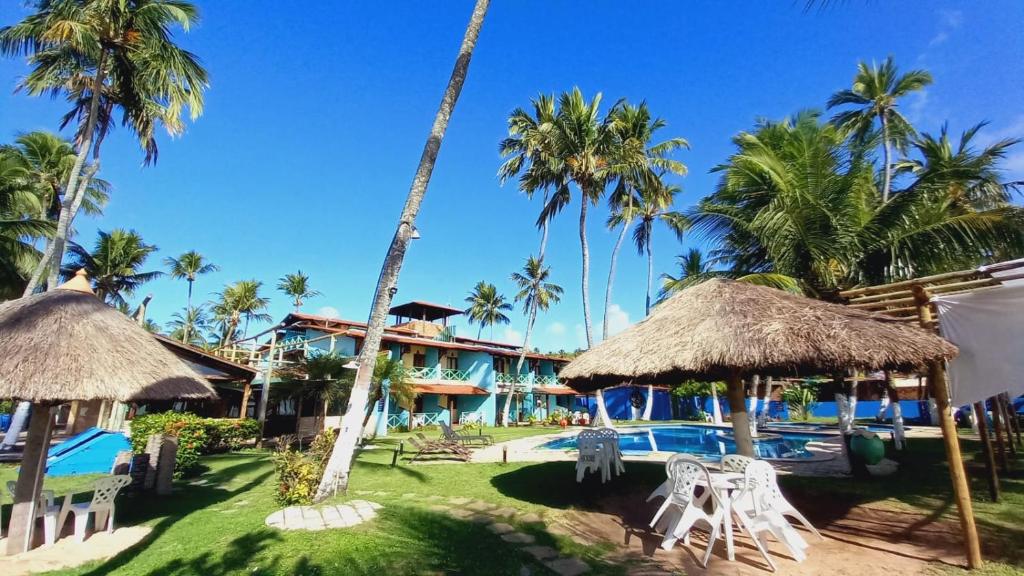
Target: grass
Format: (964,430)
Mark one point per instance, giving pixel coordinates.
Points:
(218,529)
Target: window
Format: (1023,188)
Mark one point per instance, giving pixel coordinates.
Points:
(419,360)
(451,362)
(500,365)
(534,366)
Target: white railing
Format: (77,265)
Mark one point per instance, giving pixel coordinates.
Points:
(547,380)
(452,374)
(471,418)
(395,420)
(425,419)
(435,373)
(423,373)
(513,378)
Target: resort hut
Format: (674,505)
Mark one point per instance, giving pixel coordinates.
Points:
(66,345)
(722,330)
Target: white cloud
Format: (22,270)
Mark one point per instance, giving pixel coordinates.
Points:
(949,20)
(556,329)
(328,312)
(1014,163)
(618,319)
(512,336)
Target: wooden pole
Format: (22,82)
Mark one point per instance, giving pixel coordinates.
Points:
(997,428)
(246,393)
(957,474)
(30,479)
(1012,414)
(265,391)
(740,418)
(1004,413)
(986,449)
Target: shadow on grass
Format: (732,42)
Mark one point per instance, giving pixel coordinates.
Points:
(401,469)
(553,484)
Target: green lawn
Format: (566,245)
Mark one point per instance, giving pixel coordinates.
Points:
(217,528)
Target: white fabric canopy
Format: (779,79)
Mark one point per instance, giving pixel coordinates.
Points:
(988,326)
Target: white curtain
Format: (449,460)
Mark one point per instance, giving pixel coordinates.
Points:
(988,326)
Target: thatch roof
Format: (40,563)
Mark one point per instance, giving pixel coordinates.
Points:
(720,327)
(66,344)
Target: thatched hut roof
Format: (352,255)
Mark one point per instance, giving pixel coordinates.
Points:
(721,327)
(66,344)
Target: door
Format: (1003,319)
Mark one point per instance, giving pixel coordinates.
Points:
(419,360)
(453,408)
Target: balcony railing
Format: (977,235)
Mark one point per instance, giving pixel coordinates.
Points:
(547,380)
(501,378)
(435,373)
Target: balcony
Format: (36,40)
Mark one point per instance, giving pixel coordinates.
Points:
(435,373)
(525,379)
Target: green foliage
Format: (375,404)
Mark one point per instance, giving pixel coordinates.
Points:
(299,474)
(486,306)
(114,264)
(556,416)
(801,399)
(196,435)
(470,426)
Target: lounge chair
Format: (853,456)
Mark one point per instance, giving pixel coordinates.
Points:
(427,447)
(466,439)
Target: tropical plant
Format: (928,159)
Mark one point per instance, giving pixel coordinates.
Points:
(189,325)
(801,399)
(238,301)
(106,56)
(297,287)
(336,473)
(322,379)
(188,267)
(486,307)
(875,92)
(695,268)
(391,372)
(655,202)
(22,224)
(536,294)
(113,265)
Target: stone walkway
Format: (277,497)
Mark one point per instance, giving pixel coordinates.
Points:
(324,517)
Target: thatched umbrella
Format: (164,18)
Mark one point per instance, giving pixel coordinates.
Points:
(65,345)
(724,330)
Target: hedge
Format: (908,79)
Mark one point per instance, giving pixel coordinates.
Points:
(196,435)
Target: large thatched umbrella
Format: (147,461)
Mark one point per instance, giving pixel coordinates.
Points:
(725,330)
(65,345)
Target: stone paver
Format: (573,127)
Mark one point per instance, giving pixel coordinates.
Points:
(530,518)
(459,501)
(501,528)
(541,552)
(315,519)
(504,512)
(568,566)
(480,519)
(480,505)
(460,513)
(518,538)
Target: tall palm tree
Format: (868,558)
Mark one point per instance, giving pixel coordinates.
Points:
(22,224)
(486,307)
(297,287)
(189,266)
(107,56)
(49,159)
(536,294)
(189,325)
(238,301)
(655,200)
(390,372)
(875,92)
(336,473)
(113,264)
(695,268)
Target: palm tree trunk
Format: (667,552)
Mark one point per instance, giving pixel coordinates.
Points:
(64,220)
(519,363)
(188,313)
(585,281)
(543,232)
(650,273)
(887,158)
(611,277)
(336,473)
(373,400)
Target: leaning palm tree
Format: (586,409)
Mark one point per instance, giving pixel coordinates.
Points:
(391,374)
(238,301)
(536,294)
(655,202)
(336,473)
(113,264)
(189,325)
(875,92)
(297,287)
(189,266)
(106,56)
(486,307)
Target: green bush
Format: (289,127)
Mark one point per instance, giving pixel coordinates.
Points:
(801,401)
(196,435)
(298,474)
(6,406)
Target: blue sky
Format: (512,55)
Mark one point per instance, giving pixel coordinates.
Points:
(316,118)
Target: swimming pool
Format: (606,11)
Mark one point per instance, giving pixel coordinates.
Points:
(819,427)
(700,441)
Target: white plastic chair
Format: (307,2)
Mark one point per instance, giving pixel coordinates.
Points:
(756,505)
(685,473)
(610,452)
(102,505)
(735,463)
(778,502)
(45,509)
(589,459)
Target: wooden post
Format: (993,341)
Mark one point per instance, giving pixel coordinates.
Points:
(1004,415)
(265,391)
(246,393)
(997,429)
(986,449)
(30,479)
(940,391)
(1012,415)
(740,418)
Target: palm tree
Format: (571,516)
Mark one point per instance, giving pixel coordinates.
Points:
(106,55)
(189,325)
(400,387)
(695,268)
(322,379)
(297,287)
(875,92)
(113,264)
(241,300)
(188,266)
(336,473)
(655,199)
(486,307)
(22,224)
(49,158)
(536,294)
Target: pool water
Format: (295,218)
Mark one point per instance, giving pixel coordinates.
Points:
(876,428)
(700,441)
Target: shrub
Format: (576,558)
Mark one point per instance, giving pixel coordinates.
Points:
(469,426)
(196,435)
(801,401)
(299,474)
(6,406)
